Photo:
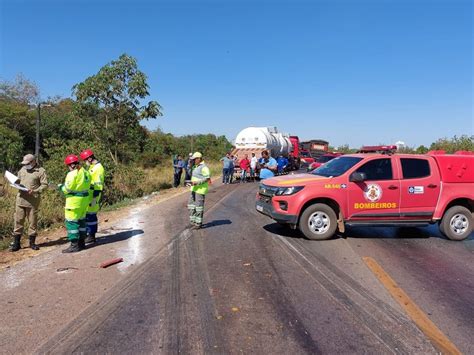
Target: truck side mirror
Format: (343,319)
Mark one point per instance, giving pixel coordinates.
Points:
(357,177)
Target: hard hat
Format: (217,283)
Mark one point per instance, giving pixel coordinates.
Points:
(27,159)
(196,155)
(86,154)
(71,158)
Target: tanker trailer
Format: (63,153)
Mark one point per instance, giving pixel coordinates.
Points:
(257,139)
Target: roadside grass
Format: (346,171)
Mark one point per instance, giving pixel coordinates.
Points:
(128,186)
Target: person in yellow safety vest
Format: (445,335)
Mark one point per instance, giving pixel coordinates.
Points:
(76,189)
(97,172)
(200,179)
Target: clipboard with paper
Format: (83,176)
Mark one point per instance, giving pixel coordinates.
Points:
(13,180)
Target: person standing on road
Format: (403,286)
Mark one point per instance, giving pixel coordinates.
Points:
(189,168)
(76,190)
(253,166)
(232,165)
(97,172)
(33,177)
(269,167)
(244,167)
(178,170)
(226,165)
(200,179)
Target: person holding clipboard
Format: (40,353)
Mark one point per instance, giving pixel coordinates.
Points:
(33,180)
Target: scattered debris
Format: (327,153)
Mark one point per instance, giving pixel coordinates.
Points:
(247,264)
(235,309)
(110,262)
(63,269)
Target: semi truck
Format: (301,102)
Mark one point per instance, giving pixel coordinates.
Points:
(315,147)
(257,139)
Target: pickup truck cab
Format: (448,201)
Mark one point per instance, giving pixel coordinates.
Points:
(375,190)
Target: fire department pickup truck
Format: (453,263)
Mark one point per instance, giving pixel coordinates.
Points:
(376,189)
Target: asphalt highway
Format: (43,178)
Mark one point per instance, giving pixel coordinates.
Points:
(243,284)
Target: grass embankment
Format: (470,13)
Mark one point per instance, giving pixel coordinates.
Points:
(127,185)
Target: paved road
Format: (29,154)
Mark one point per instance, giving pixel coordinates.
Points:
(243,284)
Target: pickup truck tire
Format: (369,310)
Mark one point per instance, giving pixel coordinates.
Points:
(318,222)
(457,223)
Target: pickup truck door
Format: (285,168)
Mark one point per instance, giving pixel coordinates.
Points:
(420,187)
(378,197)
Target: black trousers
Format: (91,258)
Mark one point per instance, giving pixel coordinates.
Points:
(177,179)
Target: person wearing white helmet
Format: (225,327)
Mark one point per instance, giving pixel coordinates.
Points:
(201,176)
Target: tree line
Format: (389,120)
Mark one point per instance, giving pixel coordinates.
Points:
(105,113)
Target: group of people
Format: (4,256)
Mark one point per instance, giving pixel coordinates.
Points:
(82,188)
(180,165)
(252,168)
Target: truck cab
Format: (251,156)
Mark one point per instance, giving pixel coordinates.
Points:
(374,189)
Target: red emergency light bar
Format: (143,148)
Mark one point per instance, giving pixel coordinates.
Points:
(384,149)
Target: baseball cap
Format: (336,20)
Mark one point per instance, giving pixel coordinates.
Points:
(27,159)
(196,155)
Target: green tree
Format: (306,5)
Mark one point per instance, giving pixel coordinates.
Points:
(422,149)
(452,145)
(11,145)
(116,93)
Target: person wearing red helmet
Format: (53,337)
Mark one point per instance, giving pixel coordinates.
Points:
(76,190)
(97,173)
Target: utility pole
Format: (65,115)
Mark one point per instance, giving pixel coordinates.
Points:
(38,126)
(37,142)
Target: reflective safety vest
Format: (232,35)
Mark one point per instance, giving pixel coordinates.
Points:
(201,174)
(97,175)
(76,188)
(97,186)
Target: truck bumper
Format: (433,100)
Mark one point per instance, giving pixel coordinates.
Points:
(268,210)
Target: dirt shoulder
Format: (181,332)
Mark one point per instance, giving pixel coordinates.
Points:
(56,237)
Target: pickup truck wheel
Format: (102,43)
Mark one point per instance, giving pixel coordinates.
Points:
(457,223)
(318,222)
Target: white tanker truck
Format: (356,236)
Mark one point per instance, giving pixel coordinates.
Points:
(257,139)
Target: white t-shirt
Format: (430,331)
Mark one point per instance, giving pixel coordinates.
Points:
(253,162)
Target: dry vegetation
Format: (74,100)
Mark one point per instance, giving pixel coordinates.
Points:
(124,186)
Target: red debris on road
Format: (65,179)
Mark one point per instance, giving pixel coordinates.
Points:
(110,262)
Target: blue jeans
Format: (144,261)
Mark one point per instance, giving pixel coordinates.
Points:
(243,176)
(225,175)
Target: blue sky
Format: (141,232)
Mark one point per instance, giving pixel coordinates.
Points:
(352,72)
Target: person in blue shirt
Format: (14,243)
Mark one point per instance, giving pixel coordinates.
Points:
(282,162)
(269,167)
(178,165)
(227,163)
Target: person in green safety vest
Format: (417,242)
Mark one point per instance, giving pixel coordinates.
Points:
(200,178)
(97,172)
(76,190)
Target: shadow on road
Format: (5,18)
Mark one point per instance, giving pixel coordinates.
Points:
(283,230)
(392,233)
(219,222)
(117,237)
(366,232)
(50,243)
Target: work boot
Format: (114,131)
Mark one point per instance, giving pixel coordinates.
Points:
(73,248)
(90,238)
(32,242)
(81,242)
(16,243)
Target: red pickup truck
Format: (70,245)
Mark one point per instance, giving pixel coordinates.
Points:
(375,190)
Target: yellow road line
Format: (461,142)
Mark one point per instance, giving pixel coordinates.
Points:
(436,336)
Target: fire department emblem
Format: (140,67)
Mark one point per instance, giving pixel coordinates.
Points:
(373,193)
